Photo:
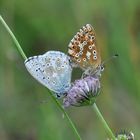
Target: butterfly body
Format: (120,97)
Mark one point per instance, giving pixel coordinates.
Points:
(83,50)
(51,69)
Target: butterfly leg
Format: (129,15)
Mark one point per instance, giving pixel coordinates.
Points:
(83,75)
(86,73)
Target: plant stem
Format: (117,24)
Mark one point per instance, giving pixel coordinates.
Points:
(25,57)
(13,37)
(66,115)
(108,130)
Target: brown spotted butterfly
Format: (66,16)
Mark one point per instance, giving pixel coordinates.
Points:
(83,51)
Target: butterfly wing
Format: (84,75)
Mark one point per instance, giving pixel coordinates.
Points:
(82,49)
(52,70)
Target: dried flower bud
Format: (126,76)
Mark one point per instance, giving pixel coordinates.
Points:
(125,136)
(82,92)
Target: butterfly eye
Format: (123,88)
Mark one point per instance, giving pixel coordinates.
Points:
(102,68)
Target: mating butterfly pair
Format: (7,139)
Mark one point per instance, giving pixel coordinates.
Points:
(53,69)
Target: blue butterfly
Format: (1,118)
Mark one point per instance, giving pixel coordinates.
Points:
(53,70)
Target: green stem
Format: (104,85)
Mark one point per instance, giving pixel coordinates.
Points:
(108,130)
(25,57)
(66,115)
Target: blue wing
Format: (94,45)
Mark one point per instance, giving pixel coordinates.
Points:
(52,70)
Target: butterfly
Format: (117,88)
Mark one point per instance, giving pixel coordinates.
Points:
(52,69)
(84,52)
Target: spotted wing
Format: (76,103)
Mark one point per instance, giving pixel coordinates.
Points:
(82,48)
(52,70)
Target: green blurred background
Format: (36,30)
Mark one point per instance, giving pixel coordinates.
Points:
(49,25)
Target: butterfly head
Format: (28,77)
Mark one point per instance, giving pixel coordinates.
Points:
(94,72)
(100,68)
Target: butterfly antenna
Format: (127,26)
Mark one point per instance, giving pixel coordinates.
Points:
(110,58)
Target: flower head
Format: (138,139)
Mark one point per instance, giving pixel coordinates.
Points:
(125,136)
(82,92)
